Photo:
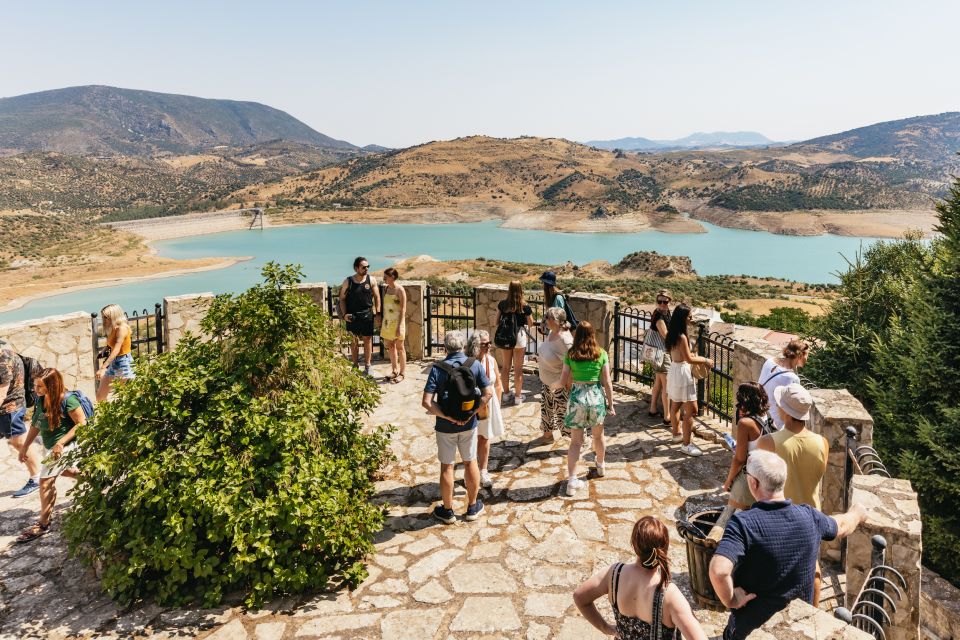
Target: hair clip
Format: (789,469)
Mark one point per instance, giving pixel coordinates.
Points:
(651,560)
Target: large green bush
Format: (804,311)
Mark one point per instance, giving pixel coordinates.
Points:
(236,464)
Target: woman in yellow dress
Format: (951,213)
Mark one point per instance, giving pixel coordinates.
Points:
(393,328)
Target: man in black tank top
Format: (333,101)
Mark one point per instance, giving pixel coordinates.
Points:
(359,306)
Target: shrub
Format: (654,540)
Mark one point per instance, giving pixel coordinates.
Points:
(236,464)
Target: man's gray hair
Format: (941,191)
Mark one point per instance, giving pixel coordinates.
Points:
(769,469)
(454,341)
(473,344)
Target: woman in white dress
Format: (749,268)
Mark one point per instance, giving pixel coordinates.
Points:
(490,423)
(681,386)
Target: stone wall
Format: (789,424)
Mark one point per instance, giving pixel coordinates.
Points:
(183,314)
(803,621)
(64,342)
(488,297)
(939,608)
(748,358)
(597,309)
(415,340)
(316,291)
(893,512)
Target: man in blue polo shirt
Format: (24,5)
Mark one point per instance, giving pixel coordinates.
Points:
(768,554)
(456,435)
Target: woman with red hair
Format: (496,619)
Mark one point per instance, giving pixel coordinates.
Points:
(645,603)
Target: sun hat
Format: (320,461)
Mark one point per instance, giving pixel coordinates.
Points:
(549,277)
(794,400)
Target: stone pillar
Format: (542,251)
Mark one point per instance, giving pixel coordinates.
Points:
(833,411)
(597,309)
(488,297)
(416,339)
(748,358)
(64,342)
(939,607)
(317,291)
(802,621)
(893,512)
(182,314)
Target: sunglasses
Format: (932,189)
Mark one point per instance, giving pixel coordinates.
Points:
(364,266)
(663,302)
(484,344)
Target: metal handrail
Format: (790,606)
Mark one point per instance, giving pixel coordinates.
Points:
(869,610)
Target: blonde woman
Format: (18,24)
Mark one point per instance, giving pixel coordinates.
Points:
(393,329)
(586,375)
(119,363)
(553,349)
(781,372)
(514,320)
(490,423)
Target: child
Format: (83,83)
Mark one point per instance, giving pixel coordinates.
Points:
(119,362)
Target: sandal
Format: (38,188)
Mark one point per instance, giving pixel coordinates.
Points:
(33,532)
(397,379)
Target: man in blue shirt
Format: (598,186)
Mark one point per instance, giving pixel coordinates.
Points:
(768,554)
(455,435)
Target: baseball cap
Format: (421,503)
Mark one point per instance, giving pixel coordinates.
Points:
(549,277)
(794,400)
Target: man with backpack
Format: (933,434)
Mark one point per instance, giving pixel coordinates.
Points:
(456,389)
(14,400)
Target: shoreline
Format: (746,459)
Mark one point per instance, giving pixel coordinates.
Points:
(22,301)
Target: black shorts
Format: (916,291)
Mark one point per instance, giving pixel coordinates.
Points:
(362,325)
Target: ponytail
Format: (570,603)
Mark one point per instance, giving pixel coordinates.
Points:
(650,540)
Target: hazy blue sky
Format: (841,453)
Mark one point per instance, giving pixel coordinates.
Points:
(400,73)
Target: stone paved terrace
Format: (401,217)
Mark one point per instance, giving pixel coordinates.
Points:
(508,575)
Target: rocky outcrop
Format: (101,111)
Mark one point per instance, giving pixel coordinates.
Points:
(646,263)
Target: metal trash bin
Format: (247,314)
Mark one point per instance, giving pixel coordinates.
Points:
(699,553)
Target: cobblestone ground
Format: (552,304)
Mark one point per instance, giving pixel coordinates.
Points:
(508,575)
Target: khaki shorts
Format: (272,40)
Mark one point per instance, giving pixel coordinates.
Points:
(448,444)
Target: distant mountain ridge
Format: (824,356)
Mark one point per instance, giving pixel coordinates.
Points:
(699,140)
(104,120)
(933,138)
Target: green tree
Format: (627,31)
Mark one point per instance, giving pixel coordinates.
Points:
(235,464)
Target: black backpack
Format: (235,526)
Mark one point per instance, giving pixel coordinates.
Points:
(458,396)
(571,316)
(31,369)
(505,336)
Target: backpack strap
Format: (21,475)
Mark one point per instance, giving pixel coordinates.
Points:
(615,584)
(656,626)
(778,373)
(446,367)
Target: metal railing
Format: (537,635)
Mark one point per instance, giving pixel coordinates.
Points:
(861,459)
(146,334)
(715,393)
(630,326)
(539,307)
(447,312)
(870,608)
(333,308)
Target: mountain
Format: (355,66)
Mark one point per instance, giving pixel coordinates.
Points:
(99,120)
(697,140)
(934,139)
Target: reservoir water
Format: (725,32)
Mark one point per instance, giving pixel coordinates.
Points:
(326,252)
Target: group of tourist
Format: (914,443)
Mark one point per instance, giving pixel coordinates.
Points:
(58,412)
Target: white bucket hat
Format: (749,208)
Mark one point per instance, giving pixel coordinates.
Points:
(794,400)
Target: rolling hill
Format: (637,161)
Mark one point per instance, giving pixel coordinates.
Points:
(934,139)
(110,121)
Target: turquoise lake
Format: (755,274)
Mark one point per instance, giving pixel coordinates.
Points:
(326,252)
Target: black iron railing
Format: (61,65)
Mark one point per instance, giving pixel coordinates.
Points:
(146,334)
(630,326)
(860,459)
(333,308)
(448,312)
(715,393)
(883,583)
(539,307)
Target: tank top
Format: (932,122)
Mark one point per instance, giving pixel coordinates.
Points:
(805,460)
(631,628)
(124,347)
(359,295)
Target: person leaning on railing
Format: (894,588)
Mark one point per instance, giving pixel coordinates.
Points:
(768,554)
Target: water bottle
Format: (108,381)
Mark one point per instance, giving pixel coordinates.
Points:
(729,441)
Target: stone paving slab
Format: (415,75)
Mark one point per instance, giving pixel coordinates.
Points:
(510,574)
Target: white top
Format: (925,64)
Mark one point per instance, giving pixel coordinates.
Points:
(772,377)
(550,356)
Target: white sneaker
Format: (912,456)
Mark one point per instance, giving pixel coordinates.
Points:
(691,450)
(573,485)
(506,398)
(485,479)
(600,470)
(678,437)
(518,400)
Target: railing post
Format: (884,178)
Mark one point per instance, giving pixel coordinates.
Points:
(701,384)
(158,325)
(616,341)
(426,304)
(94,331)
(851,439)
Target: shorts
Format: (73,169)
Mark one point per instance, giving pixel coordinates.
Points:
(122,367)
(52,468)
(587,406)
(12,424)
(663,368)
(681,387)
(362,324)
(448,444)
(740,491)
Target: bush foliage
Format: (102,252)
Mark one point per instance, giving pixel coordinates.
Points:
(236,464)
(893,341)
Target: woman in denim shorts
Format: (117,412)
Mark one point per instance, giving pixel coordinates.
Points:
(119,362)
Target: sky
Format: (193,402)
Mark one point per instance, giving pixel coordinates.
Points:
(402,73)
